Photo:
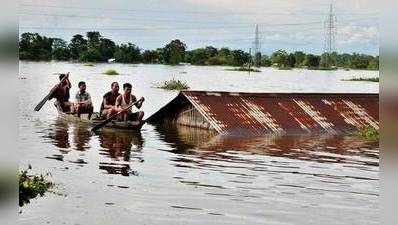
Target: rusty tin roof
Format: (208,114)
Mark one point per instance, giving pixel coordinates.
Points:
(279,113)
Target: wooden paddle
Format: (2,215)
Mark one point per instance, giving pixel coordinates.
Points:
(103,123)
(48,96)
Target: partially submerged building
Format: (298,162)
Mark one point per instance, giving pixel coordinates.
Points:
(271,113)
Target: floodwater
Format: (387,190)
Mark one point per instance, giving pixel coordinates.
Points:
(178,175)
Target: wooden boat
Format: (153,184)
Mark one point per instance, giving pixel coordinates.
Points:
(96,119)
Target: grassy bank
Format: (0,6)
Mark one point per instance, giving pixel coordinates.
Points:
(369,133)
(327,68)
(111,72)
(173,85)
(370,79)
(284,68)
(244,69)
(30,186)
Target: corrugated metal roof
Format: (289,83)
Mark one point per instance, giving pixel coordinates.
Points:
(281,113)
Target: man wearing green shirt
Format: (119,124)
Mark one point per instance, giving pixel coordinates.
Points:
(83,101)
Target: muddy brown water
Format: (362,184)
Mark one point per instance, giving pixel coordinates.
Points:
(178,175)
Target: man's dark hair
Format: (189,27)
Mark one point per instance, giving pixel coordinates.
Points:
(113,83)
(127,85)
(81,83)
(61,76)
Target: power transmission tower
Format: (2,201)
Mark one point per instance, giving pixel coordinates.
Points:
(330,34)
(330,31)
(257,48)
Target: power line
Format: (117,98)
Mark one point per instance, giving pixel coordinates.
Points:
(170,27)
(165,20)
(217,13)
(105,17)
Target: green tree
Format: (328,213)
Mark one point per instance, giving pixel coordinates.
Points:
(211,51)
(95,48)
(91,55)
(160,52)
(198,56)
(77,46)
(266,61)
(60,50)
(25,46)
(214,61)
(374,63)
(174,52)
(343,60)
(257,59)
(107,48)
(360,61)
(280,58)
(299,58)
(149,56)
(240,57)
(311,61)
(327,61)
(225,57)
(128,53)
(32,46)
(93,52)
(93,38)
(291,60)
(333,58)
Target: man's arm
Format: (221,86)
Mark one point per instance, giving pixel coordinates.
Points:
(77,97)
(106,106)
(88,101)
(118,101)
(139,103)
(67,80)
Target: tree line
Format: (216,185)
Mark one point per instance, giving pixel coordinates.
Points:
(95,48)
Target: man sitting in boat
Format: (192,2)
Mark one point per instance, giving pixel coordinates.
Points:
(62,94)
(108,106)
(83,101)
(125,100)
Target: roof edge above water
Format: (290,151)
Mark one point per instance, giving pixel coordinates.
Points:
(276,94)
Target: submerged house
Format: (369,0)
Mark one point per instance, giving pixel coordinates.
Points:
(271,113)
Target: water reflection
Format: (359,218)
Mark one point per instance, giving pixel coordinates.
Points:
(58,134)
(183,138)
(63,131)
(118,148)
(81,136)
(122,148)
(321,148)
(246,168)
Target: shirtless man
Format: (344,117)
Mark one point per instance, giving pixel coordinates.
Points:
(62,94)
(83,101)
(108,106)
(126,99)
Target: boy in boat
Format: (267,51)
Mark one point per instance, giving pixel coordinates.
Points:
(108,107)
(83,101)
(62,94)
(125,100)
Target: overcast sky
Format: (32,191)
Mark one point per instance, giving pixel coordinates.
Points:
(289,24)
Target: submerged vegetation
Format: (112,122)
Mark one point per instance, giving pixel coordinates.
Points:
(244,69)
(111,72)
(30,186)
(371,79)
(173,85)
(95,48)
(369,133)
